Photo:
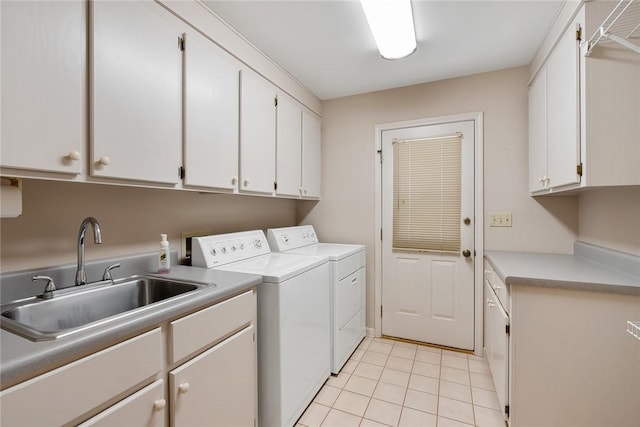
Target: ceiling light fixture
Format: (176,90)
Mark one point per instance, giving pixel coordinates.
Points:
(391,22)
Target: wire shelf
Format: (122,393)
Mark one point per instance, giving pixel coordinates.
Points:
(621,26)
(634,328)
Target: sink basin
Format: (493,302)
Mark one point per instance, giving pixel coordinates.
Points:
(79,308)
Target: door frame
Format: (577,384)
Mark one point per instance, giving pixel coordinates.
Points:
(478,261)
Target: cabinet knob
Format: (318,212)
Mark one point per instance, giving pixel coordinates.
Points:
(490,303)
(73,155)
(466,253)
(183,388)
(305,190)
(104,161)
(159,405)
(234,180)
(246,182)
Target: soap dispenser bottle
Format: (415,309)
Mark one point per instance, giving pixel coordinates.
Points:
(164,262)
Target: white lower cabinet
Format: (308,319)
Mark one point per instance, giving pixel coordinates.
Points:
(208,357)
(63,395)
(497,345)
(148,408)
(218,387)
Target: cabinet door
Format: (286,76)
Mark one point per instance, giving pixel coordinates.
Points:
(44,84)
(146,408)
(311,155)
(219,387)
(563,111)
(538,132)
(211,102)
(257,134)
(136,92)
(497,344)
(64,394)
(288,146)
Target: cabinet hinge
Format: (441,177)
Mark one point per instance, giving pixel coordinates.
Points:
(507,329)
(381,311)
(275,101)
(506,410)
(578,32)
(275,185)
(579,169)
(381,234)
(380,153)
(181,42)
(181,172)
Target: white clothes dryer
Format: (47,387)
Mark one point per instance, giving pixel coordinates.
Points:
(294,337)
(348,285)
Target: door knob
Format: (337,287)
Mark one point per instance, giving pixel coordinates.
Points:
(467,221)
(466,253)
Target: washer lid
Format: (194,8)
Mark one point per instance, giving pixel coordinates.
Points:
(335,251)
(276,267)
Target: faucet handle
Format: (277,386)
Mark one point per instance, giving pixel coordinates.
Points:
(48,288)
(107,271)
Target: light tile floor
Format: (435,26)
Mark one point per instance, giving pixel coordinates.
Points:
(393,383)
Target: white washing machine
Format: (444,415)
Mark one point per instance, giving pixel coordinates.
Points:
(294,323)
(348,285)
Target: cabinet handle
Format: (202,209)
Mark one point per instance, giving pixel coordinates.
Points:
(354,280)
(159,405)
(104,161)
(183,388)
(73,155)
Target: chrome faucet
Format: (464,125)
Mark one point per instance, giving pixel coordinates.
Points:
(81,275)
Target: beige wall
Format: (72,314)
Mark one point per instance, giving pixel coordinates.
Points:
(610,217)
(131,220)
(346,212)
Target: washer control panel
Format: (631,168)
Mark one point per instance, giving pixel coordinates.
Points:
(282,239)
(221,249)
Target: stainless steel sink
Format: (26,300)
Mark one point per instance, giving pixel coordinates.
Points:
(79,308)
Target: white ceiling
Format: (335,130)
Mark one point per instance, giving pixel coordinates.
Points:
(327,45)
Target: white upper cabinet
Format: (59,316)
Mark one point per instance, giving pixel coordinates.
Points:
(257,134)
(538,132)
(136,83)
(288,146)
(211,104)
(563,108)
(554,116)
(311,156)
(44,85)
(584,111)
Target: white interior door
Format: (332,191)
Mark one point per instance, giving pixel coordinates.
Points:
(429,296)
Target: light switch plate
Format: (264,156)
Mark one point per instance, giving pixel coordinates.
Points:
(500,219)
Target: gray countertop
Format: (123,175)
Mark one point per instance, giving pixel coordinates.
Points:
(589,268)
(21,358)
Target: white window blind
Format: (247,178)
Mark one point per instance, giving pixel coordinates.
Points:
(426,194)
